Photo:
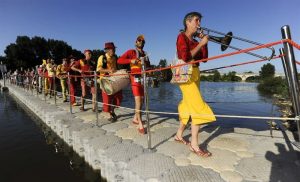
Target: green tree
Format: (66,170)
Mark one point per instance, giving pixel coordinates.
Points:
(273,85)
(97,53)
(230,77)
(216,76)
(40,47)
(267,70)
(26,52)
(162,63)
(269,84)
(164,75)
(59,49)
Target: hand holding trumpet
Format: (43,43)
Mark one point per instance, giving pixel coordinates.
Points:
(204,38)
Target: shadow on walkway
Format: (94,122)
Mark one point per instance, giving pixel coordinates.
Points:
(285,165)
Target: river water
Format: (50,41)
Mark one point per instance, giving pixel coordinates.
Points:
(29,151)
(226,98)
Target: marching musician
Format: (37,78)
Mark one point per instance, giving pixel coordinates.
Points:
(86,67)
(134,58)
(62,74)
(73,81)
(192,106)
(107,65)
(51,69)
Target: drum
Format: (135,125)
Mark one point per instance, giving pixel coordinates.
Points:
(112,84)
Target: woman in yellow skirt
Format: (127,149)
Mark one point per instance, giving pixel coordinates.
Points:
(192,106)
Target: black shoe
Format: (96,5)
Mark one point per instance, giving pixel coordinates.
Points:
(113,115)
(112,119)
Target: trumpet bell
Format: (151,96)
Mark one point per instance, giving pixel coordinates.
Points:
(224,41)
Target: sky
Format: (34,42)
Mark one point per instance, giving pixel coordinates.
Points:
(89,24)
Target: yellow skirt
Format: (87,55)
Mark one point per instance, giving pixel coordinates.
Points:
(192,105)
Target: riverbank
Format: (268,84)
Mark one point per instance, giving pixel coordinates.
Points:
(117,149)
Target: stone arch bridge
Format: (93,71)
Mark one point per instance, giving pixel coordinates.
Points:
(244,76)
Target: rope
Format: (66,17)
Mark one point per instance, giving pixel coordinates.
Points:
(198,61)
(193,114)
(208,59)
(294,44)
(240,64)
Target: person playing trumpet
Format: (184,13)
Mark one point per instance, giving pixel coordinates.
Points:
(192,106)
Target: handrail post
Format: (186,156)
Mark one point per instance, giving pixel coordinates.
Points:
(96,97)
(146,101)
(287,74)
(69,86)
(37,85)
(44,84)
(291,68)
(54,87)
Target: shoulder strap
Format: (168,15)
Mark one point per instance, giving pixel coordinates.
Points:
(104,62)
(137,53)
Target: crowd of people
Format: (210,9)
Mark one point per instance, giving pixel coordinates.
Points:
(81,74)
(191,108)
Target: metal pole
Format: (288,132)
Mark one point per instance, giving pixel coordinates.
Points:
(96,99)
(291,65)
(37,84)
(69,86)
(44,87)
(54,88)
(146,101)
(31,85)
(4,79)
(287,74)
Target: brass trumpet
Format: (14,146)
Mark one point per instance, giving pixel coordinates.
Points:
(226,40)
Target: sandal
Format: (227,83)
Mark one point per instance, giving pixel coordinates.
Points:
(200,152)
(141,131)
(183,141)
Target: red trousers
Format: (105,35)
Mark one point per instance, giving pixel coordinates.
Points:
(72,92)
(111,99)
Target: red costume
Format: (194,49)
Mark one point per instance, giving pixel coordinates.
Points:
(136,85)
(184,45)
(73,81)
(86,70)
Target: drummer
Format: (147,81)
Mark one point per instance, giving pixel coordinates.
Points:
(107,65)
(133,57)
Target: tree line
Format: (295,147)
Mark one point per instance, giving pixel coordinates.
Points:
(28,52)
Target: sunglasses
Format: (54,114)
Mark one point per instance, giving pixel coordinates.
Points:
(141,40)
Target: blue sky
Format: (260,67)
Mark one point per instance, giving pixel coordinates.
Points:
(89,24)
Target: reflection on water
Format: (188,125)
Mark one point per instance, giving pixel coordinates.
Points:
(31,150)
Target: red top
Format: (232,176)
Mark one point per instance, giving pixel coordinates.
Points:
(184,47)
(83,66)
(128,56)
